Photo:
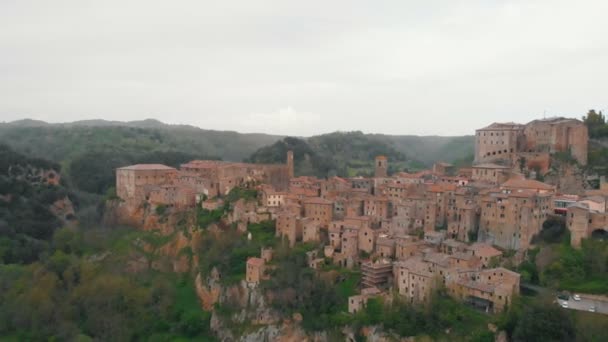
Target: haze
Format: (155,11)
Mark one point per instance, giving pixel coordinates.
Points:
(304,67)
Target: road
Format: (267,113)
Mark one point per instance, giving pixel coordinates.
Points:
(585,303)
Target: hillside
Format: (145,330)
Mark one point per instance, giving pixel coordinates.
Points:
(350,154)
(90,150)
(33,204)
(342,154)
(61,142)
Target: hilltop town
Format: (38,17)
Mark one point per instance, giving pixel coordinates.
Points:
(408,232)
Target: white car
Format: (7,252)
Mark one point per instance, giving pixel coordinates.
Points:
(592,309)
(564,305)
(576,297)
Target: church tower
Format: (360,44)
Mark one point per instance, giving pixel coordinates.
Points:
(381,167)
(290,163)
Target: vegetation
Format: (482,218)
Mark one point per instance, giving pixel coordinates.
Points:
(297,288)
(553,231)
(231,265)
(342,154)
(77,292)
(442,314)
(555,264)
(90,151)
(598,148)
(26,221)
(596,124)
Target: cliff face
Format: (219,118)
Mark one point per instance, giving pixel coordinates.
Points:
(118,212)
(569,178)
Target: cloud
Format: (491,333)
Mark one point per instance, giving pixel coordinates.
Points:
(286,120)
(396,66)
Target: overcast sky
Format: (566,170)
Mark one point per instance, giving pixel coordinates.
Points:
(304,67)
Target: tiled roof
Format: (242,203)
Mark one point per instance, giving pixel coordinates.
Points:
(255,261)
(502,126)
(526,184)
(484,250)
(489,166)
(150,167)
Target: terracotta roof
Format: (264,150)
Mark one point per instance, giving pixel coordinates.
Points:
(502,126)
(501,270)
(437,258)
(556,120)
(596,199)
(484,250)
(255,261)
(526,184)
(489,166)
(149,167)
(525,193)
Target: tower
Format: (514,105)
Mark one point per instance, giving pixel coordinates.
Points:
(381,167)
(290,163)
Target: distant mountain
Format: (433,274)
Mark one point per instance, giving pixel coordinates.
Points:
(25,123)
(82,147)
(63,141)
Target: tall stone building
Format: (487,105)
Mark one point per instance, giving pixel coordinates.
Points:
(510,142)
(381,167)
(497,142)
(509,219)
(558,135)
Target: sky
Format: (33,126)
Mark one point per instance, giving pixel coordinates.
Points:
(435,67)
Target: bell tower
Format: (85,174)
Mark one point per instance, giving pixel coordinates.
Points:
(290,163)
(381,167)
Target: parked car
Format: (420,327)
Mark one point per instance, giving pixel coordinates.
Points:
(576,297)
(592,308)
(564,305)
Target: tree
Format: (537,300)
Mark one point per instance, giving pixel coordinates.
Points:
(596,123)
(544,322)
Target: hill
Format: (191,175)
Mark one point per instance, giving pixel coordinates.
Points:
(63,141)
(89,150)
(33,204)
(350,154)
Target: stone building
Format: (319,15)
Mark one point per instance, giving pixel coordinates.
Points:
(443,169)
(357,303)
(465,218)
(132,180)
(255,270)
(491,173)
(381,169)
(498,142)
(414,280)
(385,246)
(557,135)
(508,142)
(582,221)
(491,289)
(509,219)
(485,252)
(319,210)
(310,231)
